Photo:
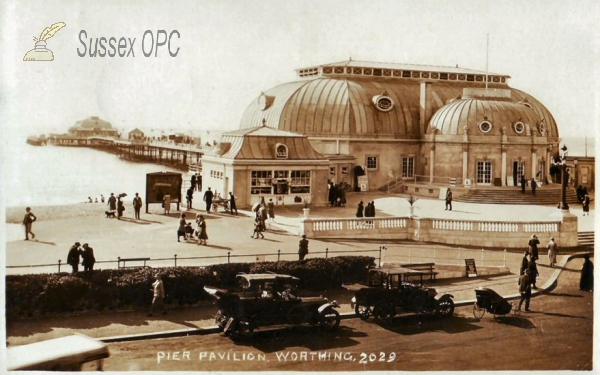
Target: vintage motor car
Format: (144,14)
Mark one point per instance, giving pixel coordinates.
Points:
(392,290)
(269,301)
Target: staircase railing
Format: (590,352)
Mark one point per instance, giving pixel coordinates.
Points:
(393,184)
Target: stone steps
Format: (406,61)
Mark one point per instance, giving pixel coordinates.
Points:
(513,195)
(586,239)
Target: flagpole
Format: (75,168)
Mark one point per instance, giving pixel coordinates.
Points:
(487,58)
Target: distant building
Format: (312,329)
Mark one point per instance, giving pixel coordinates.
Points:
(136,135)
(93,126)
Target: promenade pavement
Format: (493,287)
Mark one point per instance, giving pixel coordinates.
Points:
(154,236)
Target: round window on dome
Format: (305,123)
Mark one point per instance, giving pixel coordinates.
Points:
(485,126)
(519,127)
(383,103)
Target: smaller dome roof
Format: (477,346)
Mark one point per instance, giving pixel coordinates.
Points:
(93,122)
(486,117)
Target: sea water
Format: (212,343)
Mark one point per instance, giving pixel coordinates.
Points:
(53,175)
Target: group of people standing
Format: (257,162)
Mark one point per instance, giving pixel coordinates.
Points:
(116,205)
(337,195)
(86,253)
(368,211)
(186,231)
(524,185)
(263,212)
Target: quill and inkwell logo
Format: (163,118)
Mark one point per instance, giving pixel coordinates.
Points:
(40,52)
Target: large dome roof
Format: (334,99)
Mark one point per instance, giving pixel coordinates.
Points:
(517,113)
(91,123)
(355,107)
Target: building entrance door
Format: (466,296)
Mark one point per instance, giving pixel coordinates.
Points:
(484,172)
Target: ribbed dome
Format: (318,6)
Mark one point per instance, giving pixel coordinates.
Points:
(350,107)
(499,113)
(90,123)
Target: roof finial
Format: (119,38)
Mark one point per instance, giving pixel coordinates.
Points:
(264,122)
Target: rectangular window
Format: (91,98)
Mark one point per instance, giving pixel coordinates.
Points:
(371,162)
(408,167)
(261,182)
(484,172)
(300,182)
(332,171)
(345,170)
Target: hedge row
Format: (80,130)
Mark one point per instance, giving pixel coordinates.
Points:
(27,295)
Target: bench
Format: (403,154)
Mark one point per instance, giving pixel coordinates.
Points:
(123,260)
(427,269)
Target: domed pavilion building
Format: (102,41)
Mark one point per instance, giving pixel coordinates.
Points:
(384,124)
(93,126)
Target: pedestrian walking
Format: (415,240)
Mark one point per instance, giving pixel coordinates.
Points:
(525,291)
(302,247)
(167,204)
(586,205)
(193,182)
(137,205)
(368,211)
(208,198)
(87,255)
(232,205)
(73,257)
(158,300)
(189,197)
(552,251)
(258,227)
(533,272)
(181,228)
(201,229)
(112,203)
(533,246)
(262,213)
(360,209)
(586,281)
(523,183)
(449,199)
(533,186)
(28,221)
(120,207)
(372,208)
(271,210)
(102,198)
(524,263)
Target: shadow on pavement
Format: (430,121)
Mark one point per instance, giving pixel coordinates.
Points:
(307,337)
(44,242)
(418,324)
(519,322)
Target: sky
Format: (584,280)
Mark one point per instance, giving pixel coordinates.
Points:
(230,51)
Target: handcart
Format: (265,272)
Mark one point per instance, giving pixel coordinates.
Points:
(490,301)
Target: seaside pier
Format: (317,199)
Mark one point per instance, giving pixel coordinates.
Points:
(183,157)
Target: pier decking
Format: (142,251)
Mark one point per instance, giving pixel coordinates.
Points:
(174,155)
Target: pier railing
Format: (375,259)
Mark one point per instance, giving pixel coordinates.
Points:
(396,253)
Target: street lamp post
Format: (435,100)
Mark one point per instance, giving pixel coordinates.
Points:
(564,179)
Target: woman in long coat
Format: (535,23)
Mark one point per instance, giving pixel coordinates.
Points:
(360,209)
(586,282)
(202,235)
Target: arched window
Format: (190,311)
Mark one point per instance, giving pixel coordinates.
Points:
(281,151)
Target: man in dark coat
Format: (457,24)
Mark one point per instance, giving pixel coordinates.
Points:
(533,246)
(533,272)
(525,290)
(533,187)
(193,182)
(523,183)
(303,247)
(449,199)
(112,202)
(88,258)
(137,205)
(208,197)
(232,205)
(73,256)
(524,263)
(189,197)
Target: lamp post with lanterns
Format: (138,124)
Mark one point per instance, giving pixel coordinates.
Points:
(564,179)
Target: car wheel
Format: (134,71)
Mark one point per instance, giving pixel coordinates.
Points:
(329,320)
(244,329)
(446,306)
(478,311)
(362,311)
(383,312)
